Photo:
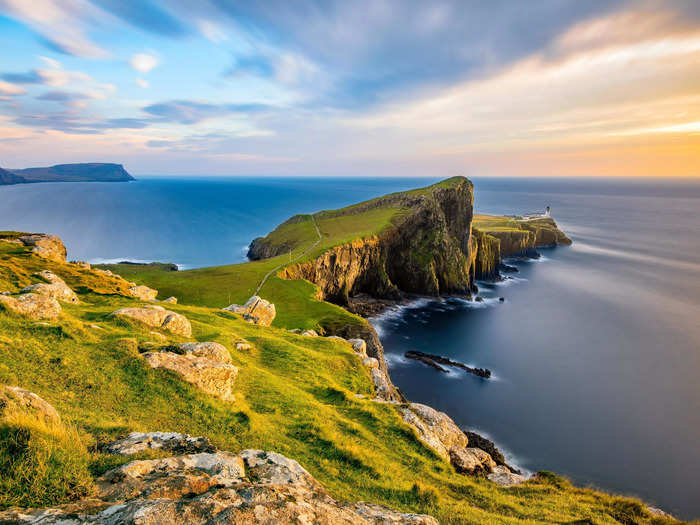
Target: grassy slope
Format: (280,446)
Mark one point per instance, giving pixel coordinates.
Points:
(295,395)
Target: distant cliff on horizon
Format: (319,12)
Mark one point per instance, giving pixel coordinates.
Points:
(87,172)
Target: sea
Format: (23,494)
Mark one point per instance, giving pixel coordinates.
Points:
(594,351)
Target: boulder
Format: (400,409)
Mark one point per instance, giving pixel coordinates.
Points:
(170,300)
(32,305)
(47,246)
(242,346)
(435,429)
(383,387)
(255,310)
(359,345)
(144,293)
(171,441)
(157,317)
(221,488)
(502,475)
(16,399)
(205,365)
(82,264)
(53,287)
(310,333)
(471,460)
(370,362)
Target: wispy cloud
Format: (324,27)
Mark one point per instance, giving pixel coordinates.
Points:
(192,112)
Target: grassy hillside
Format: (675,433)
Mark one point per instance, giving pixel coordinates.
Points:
(295,395)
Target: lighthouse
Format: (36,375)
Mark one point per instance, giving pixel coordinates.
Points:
(546,211)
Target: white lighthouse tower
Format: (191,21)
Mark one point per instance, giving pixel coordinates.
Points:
(547,211)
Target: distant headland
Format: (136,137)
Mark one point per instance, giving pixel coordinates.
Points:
(87,172)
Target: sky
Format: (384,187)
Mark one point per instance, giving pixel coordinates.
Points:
(376,88)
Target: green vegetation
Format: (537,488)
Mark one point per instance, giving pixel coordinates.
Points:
(295,395)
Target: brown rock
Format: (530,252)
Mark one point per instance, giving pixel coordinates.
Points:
(255,310)
(171,441)
(14,398)
(32,305)
(47,246)
(471,460)
(144,293)
(56,288)
(157,317)
(435,429)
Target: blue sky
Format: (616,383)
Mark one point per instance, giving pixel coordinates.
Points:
(390,87)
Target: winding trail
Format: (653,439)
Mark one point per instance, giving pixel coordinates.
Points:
(277,268)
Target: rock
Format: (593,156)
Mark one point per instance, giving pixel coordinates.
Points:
(502,299)
(435,429)
(170,300)
(158,335)
(205,365)
(478,441)
(502,475)
(658,512)
(255,310)
(291,330)
(310,333)
(359,345)
(47,246)
(370,362)
(5,293)
(56,288)
(96,327)
(144,293)
(479,299)
(108,273)
(243,347)
(82,264)
(14,398)
(336,338)
(383,387)
(471,460)
(221,488)
(157,317)
(171,441)
(32,305)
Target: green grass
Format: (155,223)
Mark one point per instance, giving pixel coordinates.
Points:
(295,395)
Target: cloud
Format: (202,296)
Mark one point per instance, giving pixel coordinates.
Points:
(143,62)
(68,122)
(192,112)
(141,83)
(145,15)
(211,31)
(48,77)
(10,89)
(67,98)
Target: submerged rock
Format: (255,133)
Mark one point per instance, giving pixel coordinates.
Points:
(46,246)
(171,441)
(32,305)
(157,317)
(255,310)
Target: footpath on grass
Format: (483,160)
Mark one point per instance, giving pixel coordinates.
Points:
(277,268)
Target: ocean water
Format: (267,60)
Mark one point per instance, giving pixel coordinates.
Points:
(595,352)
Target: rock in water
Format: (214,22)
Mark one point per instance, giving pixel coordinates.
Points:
(143,293)
(221,488)
(255,310)
(47,246)
(32,305)
(157,317)
(56,287)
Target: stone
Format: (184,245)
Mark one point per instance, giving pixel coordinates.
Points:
(53,287)
(144,293)
(502,299)
(243,347)
(158,336)
(359,345)
(435,429)
(471,460)
(479,441)
(171,441)
(156,317)
(14,398)
(501,475)
(47,246)
(255,310)
(82,264)
(382,385)
(310,333)
(170,300)
(32,305)
(479,299)
(222,488)
(370,362)
(209,350)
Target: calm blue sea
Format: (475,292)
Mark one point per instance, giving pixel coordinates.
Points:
(595,351)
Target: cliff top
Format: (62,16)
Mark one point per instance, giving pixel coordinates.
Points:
(85,172)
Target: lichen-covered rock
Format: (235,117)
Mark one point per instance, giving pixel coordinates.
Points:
(213,377)
(359,345)
(32,305)
(310,333)
(370,362)
(157,317)
(214,488)
(471,460)
(255,310)
(171,441)
(144,293)
(383,388)
(53,287)
(502,475)
(16,399)
(208,350)
(243,346)
(170,300)
(435,429)
(47,246)
(82,264)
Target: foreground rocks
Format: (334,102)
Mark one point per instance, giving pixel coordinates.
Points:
(32,305)
(255,310)
(220,487)
(171,441)
(46,246)
(205,365)
(144,293)
(156,317)
(14,399)
(53,286)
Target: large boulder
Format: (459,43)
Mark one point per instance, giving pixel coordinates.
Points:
(14,399)
(44,245)
(205,365)
(222,488)
(171,441)
(255,310)
(503,476)
(156,317)
(32,305)
(143,293)
(53,286)
(471,460)
(435,429)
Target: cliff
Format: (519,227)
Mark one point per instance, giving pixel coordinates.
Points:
(7,177)
(89,172)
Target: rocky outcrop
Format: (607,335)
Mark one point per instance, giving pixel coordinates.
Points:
(32,305)
(471,460)
(170,441)
(44,245)
(205,365)
(53,286)
(144,293)
(255,310)
(502,475)
(156,317)
(251,487)
(14,399)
